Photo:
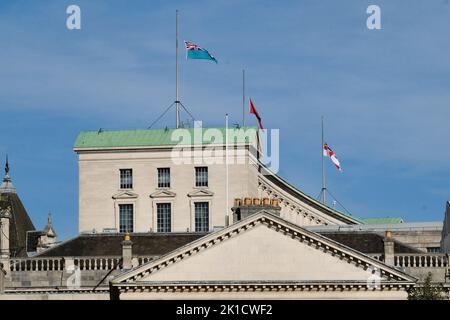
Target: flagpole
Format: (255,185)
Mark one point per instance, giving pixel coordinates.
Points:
(177,101)
(243,97)
(227,218)
(324,188)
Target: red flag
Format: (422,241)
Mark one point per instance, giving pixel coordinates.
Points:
(253,110)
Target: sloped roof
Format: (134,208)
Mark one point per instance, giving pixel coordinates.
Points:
(156,244)
(102,244)
(19,224)
(162,137)
(366,242)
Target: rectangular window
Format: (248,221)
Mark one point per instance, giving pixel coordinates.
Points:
(201,216)
(163,217)
(126,179)
(125,218)
(163,177)
(201,176)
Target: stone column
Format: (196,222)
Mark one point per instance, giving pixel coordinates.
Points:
(388,248)
(4,239)
(127,253)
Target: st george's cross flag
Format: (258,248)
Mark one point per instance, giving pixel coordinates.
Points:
(328,152)
(194,51)
(253,110)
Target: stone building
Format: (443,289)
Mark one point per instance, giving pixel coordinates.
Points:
(157,221)
(163,180)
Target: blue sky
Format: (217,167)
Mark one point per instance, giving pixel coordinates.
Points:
(384,93)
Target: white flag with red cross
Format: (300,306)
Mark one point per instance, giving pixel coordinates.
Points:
(327,152)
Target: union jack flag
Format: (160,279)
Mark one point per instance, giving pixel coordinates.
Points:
(194,51)
(191,46)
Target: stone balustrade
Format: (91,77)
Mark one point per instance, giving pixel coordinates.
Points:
(417,260)
(62,264)
(97,263)
(37,264)
(421,260)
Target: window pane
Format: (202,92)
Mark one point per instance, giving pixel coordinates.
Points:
(201,216)
(201,176)
(163,177)
(125,218)
(126,178)
(163,217)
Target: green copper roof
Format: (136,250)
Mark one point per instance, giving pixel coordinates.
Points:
(383,220)
(163,137)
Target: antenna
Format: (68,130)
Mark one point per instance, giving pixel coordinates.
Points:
(324,186)
(227,214)
(177,98)
(243,97)
(177,101)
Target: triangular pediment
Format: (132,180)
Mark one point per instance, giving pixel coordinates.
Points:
(163,194)
(125,195)
(263,248)
(200,193)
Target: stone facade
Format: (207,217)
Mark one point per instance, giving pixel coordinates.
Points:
(100,194)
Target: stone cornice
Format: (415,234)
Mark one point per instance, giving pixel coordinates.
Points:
(259,286)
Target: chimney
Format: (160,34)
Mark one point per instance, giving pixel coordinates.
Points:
(249,206)
(388,248)
(127,252)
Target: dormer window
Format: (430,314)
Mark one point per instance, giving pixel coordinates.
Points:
(126,179)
